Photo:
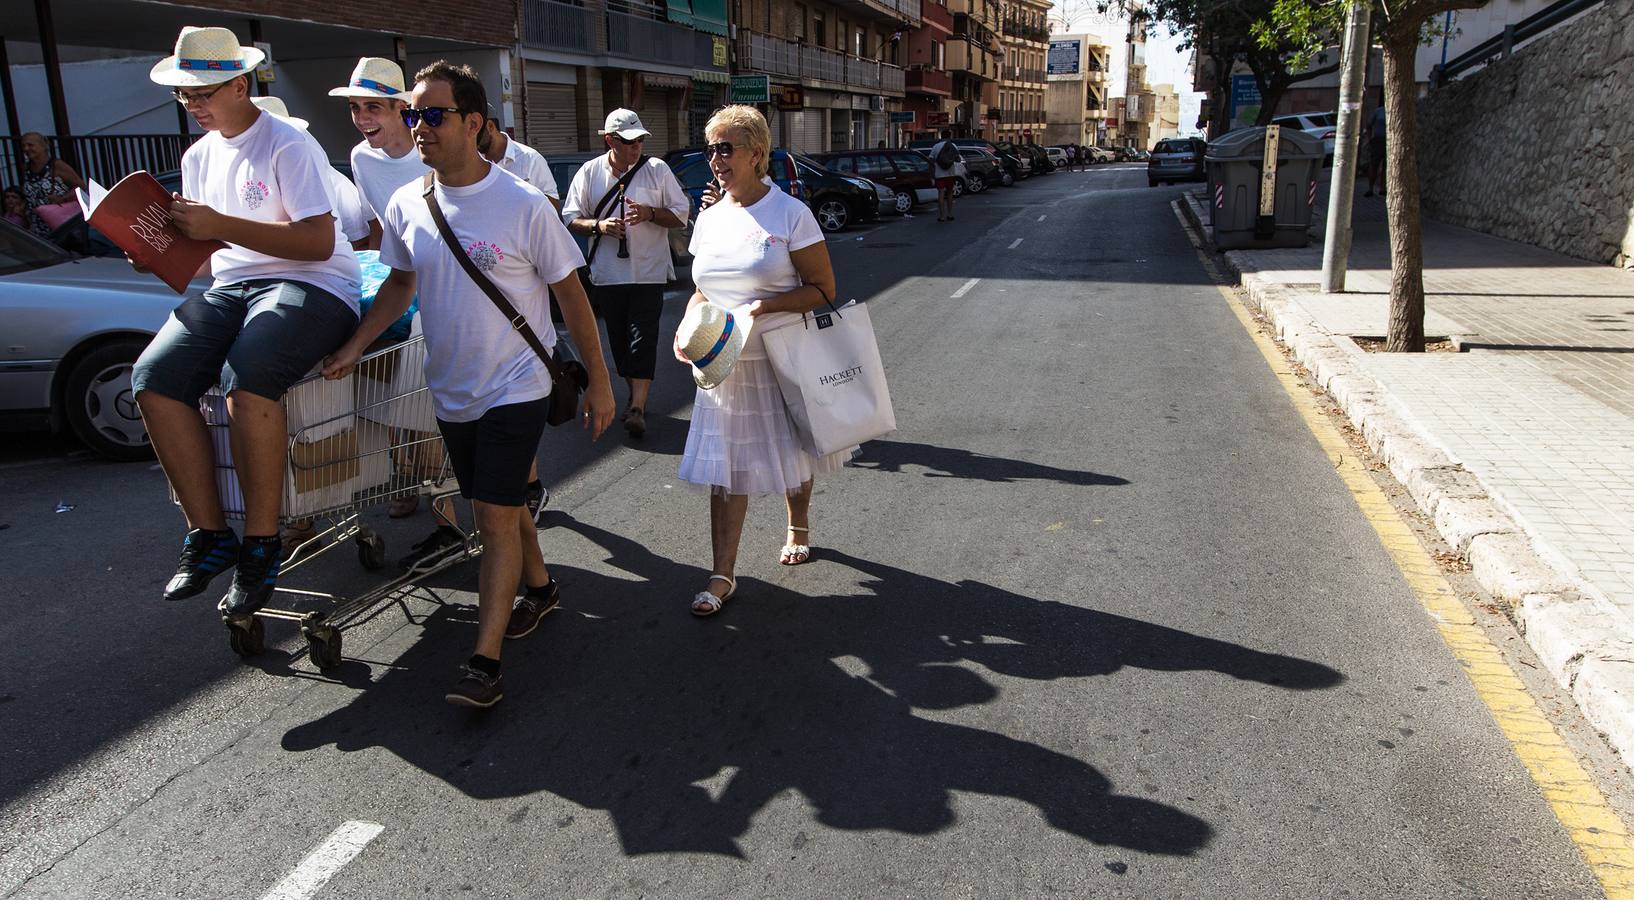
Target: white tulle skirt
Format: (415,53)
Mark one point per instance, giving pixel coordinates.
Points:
(741,440)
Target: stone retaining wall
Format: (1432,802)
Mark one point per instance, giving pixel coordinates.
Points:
(1539,147)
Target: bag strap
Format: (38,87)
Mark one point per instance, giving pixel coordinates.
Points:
(826,299)
(623,182)
(518,321)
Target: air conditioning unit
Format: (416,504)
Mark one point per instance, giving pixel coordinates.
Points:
(876,104)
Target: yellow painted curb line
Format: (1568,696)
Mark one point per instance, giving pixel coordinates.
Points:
(1576,800)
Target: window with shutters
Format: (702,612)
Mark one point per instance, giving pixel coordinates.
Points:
(819,29)
(799,22)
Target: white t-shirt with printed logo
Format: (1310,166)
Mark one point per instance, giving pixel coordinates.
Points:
(649,260)
(378,175)
(741,254)
(268,173)
(475,361)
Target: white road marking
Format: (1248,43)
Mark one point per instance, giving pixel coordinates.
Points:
(329,857)
(1041,218)
(1016,243)
(964,289)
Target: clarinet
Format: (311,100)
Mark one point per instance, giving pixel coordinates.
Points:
(623,236)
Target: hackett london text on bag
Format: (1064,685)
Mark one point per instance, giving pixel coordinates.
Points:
(828,367)
(568,378)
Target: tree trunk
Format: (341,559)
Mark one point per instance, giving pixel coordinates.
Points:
(1401,192)
(1220,98)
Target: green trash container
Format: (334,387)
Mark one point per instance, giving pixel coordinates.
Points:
(1234,164)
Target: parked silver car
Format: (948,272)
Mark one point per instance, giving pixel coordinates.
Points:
(73,326)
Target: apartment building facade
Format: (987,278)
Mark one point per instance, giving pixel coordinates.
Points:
(581,58)
(1025,36)
(1075,101)
(836,68)
(1138,109)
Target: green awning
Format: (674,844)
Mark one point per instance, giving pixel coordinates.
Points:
(709,15)
(680,11)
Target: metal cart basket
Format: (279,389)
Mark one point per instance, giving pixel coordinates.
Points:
(354,442)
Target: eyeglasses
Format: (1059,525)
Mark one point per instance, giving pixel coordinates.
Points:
(722,149)
(627,141)
(432,114)
(187,99)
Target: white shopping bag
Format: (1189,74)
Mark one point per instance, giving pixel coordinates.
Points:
(833,382)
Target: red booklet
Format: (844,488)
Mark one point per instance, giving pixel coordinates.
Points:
(135,215)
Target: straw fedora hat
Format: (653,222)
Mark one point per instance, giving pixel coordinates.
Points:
(206,56)
(375,76)
(276,107)
(712,338)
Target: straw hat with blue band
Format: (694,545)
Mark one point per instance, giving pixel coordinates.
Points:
(276,106)
(375,76)
(206,56)
(712,338)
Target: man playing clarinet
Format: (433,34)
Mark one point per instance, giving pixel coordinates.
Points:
(626,203)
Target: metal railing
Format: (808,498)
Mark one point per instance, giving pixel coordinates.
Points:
(763,53)
(930,80)
(564,26)
(649,39)
(105,157)
(1501,45)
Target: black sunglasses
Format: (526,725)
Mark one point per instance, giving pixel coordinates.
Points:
(722,149)
(432,114)
(626,141)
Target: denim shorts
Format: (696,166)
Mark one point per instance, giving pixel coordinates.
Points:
(260,336)
(492,454)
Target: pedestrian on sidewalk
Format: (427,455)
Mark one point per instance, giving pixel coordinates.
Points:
(1375,152)
(286,293)
(627,202)
(946,162)
(488,385)
(759,261)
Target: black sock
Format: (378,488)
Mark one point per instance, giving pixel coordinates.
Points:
(536,485)
(265,539)
(488,667)
(543,590)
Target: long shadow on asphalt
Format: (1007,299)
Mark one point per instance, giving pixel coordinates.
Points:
(953,462)
(683,730)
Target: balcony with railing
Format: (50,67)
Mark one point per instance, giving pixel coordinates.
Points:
(935,15)
(1025,32)
(925,80)
(963,56)
(774,56)
(907,11)
(619,28)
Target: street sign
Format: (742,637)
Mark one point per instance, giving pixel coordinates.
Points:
(1063,58)
(790,97)
(902,118)
(936,119)
(718,51)
(751,89)
(1245,99)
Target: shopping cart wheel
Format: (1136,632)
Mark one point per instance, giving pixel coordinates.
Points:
(371,550)
(322,645)
(247,640)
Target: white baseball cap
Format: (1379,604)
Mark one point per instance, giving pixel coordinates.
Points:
(626,124)
(205,56)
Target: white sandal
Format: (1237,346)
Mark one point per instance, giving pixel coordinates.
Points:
(795,554)
(706,604)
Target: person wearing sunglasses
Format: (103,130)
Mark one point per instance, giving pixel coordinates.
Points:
(488,386)
(759,254)
(285,294)
(629,248)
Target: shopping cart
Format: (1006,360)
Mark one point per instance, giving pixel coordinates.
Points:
(354,442)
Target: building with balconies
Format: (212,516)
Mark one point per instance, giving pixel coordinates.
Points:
(929,84)
(1075,102)
(971,55)
(1025,39)
(836,68)
(1134,126)
(583,58)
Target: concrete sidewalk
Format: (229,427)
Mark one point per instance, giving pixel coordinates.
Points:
(1521,448)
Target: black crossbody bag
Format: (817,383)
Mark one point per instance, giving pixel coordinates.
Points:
(568,377)
(623,183)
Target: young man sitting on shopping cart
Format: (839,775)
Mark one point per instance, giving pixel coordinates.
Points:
(285,295)
(488,384)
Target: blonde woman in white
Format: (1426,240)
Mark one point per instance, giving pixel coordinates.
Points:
(759,255)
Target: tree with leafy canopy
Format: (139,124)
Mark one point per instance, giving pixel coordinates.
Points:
(1224,31)
(1401,27)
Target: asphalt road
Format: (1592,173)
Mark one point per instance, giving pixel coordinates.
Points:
(1098,620)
